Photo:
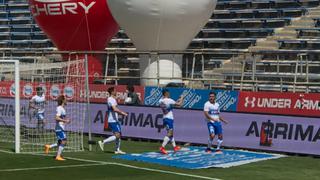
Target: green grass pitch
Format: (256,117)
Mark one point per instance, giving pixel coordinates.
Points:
(98,165)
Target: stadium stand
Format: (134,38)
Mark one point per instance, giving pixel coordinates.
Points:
(239,33)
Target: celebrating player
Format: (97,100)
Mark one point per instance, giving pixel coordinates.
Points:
(37,103)
(211,112)
(61,120)
(167,104)
(113,121)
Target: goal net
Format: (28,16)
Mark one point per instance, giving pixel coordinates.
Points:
(40,86)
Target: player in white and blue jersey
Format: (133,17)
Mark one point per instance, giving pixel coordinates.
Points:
(37,103)
(113,122)
(212,113)
(61,121)
(167,104)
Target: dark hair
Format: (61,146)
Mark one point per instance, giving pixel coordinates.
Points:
(110,90)
(60,99)
(211,92)
(130,88)
(39,89)
(164,91)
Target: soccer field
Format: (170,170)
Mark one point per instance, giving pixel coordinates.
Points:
(98,165)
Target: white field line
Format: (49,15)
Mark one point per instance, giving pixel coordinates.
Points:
(8,152)
(145,169)
(96,163)
(49,167)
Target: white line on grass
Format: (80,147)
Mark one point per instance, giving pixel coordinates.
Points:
(142,168)
(50,167)
(118,164)
(8,152)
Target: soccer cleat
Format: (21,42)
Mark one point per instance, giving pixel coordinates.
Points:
(119,152)
(208,150)
(163,150)
(177,148)
(46,148)
(101,145)
(59,158)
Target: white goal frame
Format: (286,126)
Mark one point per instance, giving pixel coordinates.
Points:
(17,102)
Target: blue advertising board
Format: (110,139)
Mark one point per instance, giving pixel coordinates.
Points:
(194,98)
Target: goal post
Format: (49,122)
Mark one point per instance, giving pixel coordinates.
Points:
(17,105)
(5,67)
(32,125)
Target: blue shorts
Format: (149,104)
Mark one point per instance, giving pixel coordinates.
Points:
(168,123)
(214,128)
(115,127)
(61,135)
(40,116)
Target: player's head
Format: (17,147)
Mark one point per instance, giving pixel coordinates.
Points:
(62,100)
(165,93)
(212,97)
(39,91)
(111,91)
(130,88)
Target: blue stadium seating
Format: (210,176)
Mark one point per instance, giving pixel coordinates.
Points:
(234,26)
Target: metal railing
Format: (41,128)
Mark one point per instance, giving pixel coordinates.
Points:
(290,70)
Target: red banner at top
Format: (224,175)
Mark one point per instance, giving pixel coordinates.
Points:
(280,103)
(98,92)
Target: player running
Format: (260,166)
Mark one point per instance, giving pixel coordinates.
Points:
(61,120)
(37,104)
(113,122)
(211,112)
(167,104)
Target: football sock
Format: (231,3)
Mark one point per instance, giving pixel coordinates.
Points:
(210,141)
(53,145)
(166,139)
(118,142)
(219,143)
(109,139)
(60,149)
(173,141)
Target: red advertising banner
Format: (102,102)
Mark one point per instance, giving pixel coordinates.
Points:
(97,93)
(280,103)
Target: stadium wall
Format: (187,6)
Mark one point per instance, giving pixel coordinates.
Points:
(286,122)
(251,131)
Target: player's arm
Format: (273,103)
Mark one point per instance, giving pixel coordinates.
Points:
(223,120)
(206,114)
(32,104)
(58,118)
(116,109)
(179,102)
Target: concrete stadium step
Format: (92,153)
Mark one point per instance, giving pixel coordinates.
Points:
(267,43)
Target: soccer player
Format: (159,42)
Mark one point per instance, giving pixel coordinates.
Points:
(37,103)
(167,104)
(61,120)
(212,113)
(113,122)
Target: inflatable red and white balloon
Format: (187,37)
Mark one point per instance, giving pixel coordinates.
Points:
(76,25)
(161,25)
